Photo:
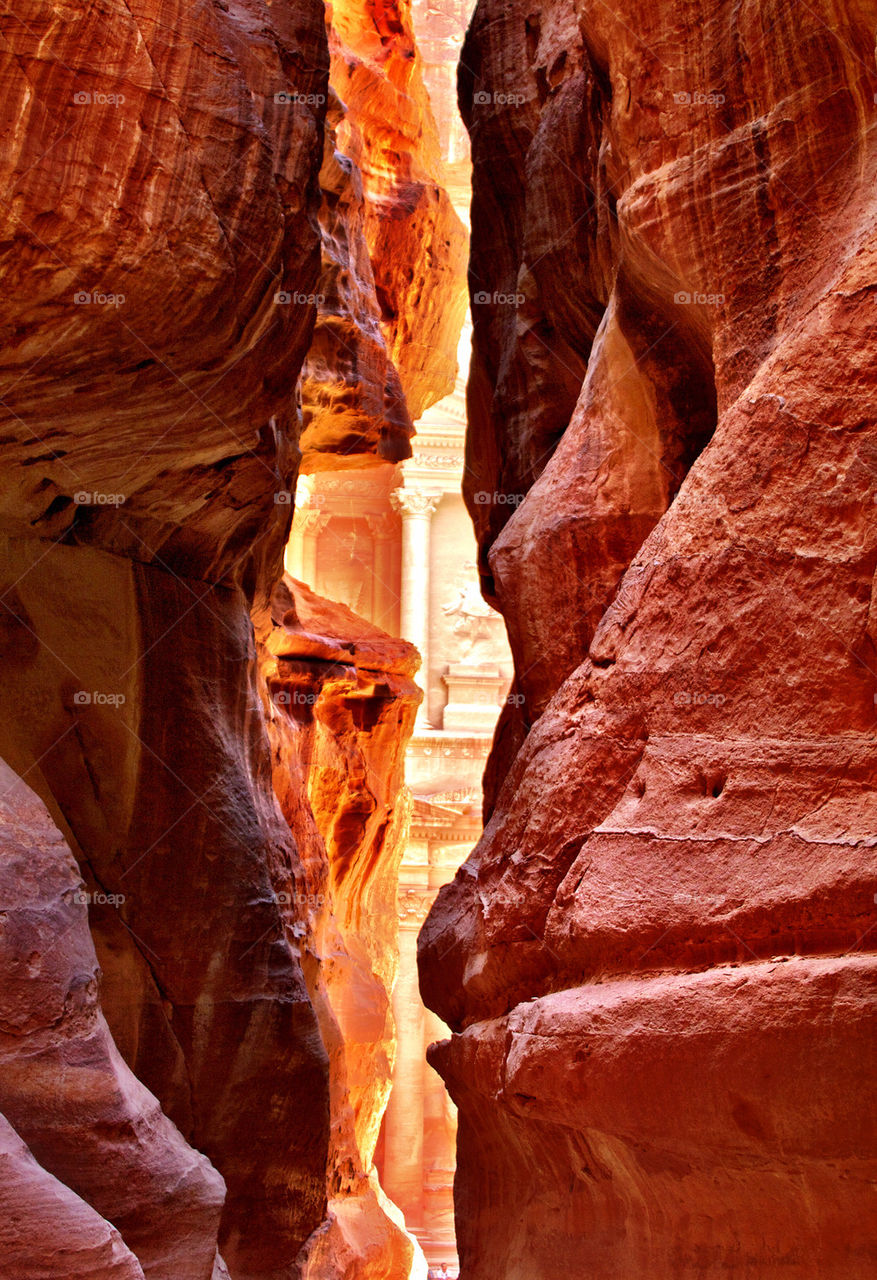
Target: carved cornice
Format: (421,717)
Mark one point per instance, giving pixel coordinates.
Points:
(467,746)
(361,483)
(463,835)
(437,461)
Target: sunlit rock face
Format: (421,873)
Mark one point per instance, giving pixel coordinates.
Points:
(342,702)
(416,241)
(391,293)
(160,264)
(658,962)
(353,407)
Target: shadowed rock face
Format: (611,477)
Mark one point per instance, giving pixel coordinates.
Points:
(85,1117)
(49,1229)
(658,962)
(179,183)
(156,199)
(160,257)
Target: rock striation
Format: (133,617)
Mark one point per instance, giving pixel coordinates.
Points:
(343,702)
(391,294)
(159,198)
(416,242)
(658,963)
(92,1130)
(162,221)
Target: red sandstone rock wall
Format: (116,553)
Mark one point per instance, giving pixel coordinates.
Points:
(416,242)
(162,203)
(160,196)
(391,293)
(658,962)
(82,1113)
(342,701)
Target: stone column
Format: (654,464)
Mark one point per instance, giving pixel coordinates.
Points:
(292,558)
(384,529)
(312,525)
(402,1176)
(416,509)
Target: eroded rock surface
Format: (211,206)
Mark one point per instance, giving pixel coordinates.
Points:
(343,702)
(48,1230)
(659,960)
(416,242)
(391,292)
(84,1116)
(160,260)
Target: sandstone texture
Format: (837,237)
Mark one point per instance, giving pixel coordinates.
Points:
(162,219)
(416,241)
(48,1230)
(342,702)
(353,407)
(156,199)
(658,963)
(85,1117)
(391,294)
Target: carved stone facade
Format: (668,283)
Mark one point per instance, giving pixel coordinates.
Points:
(416,1156)
(394,543)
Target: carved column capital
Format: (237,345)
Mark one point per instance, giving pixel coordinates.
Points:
(311,519)
(384,526)
(414,502)
(414,904)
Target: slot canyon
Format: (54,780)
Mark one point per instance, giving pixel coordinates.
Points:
(438,715)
